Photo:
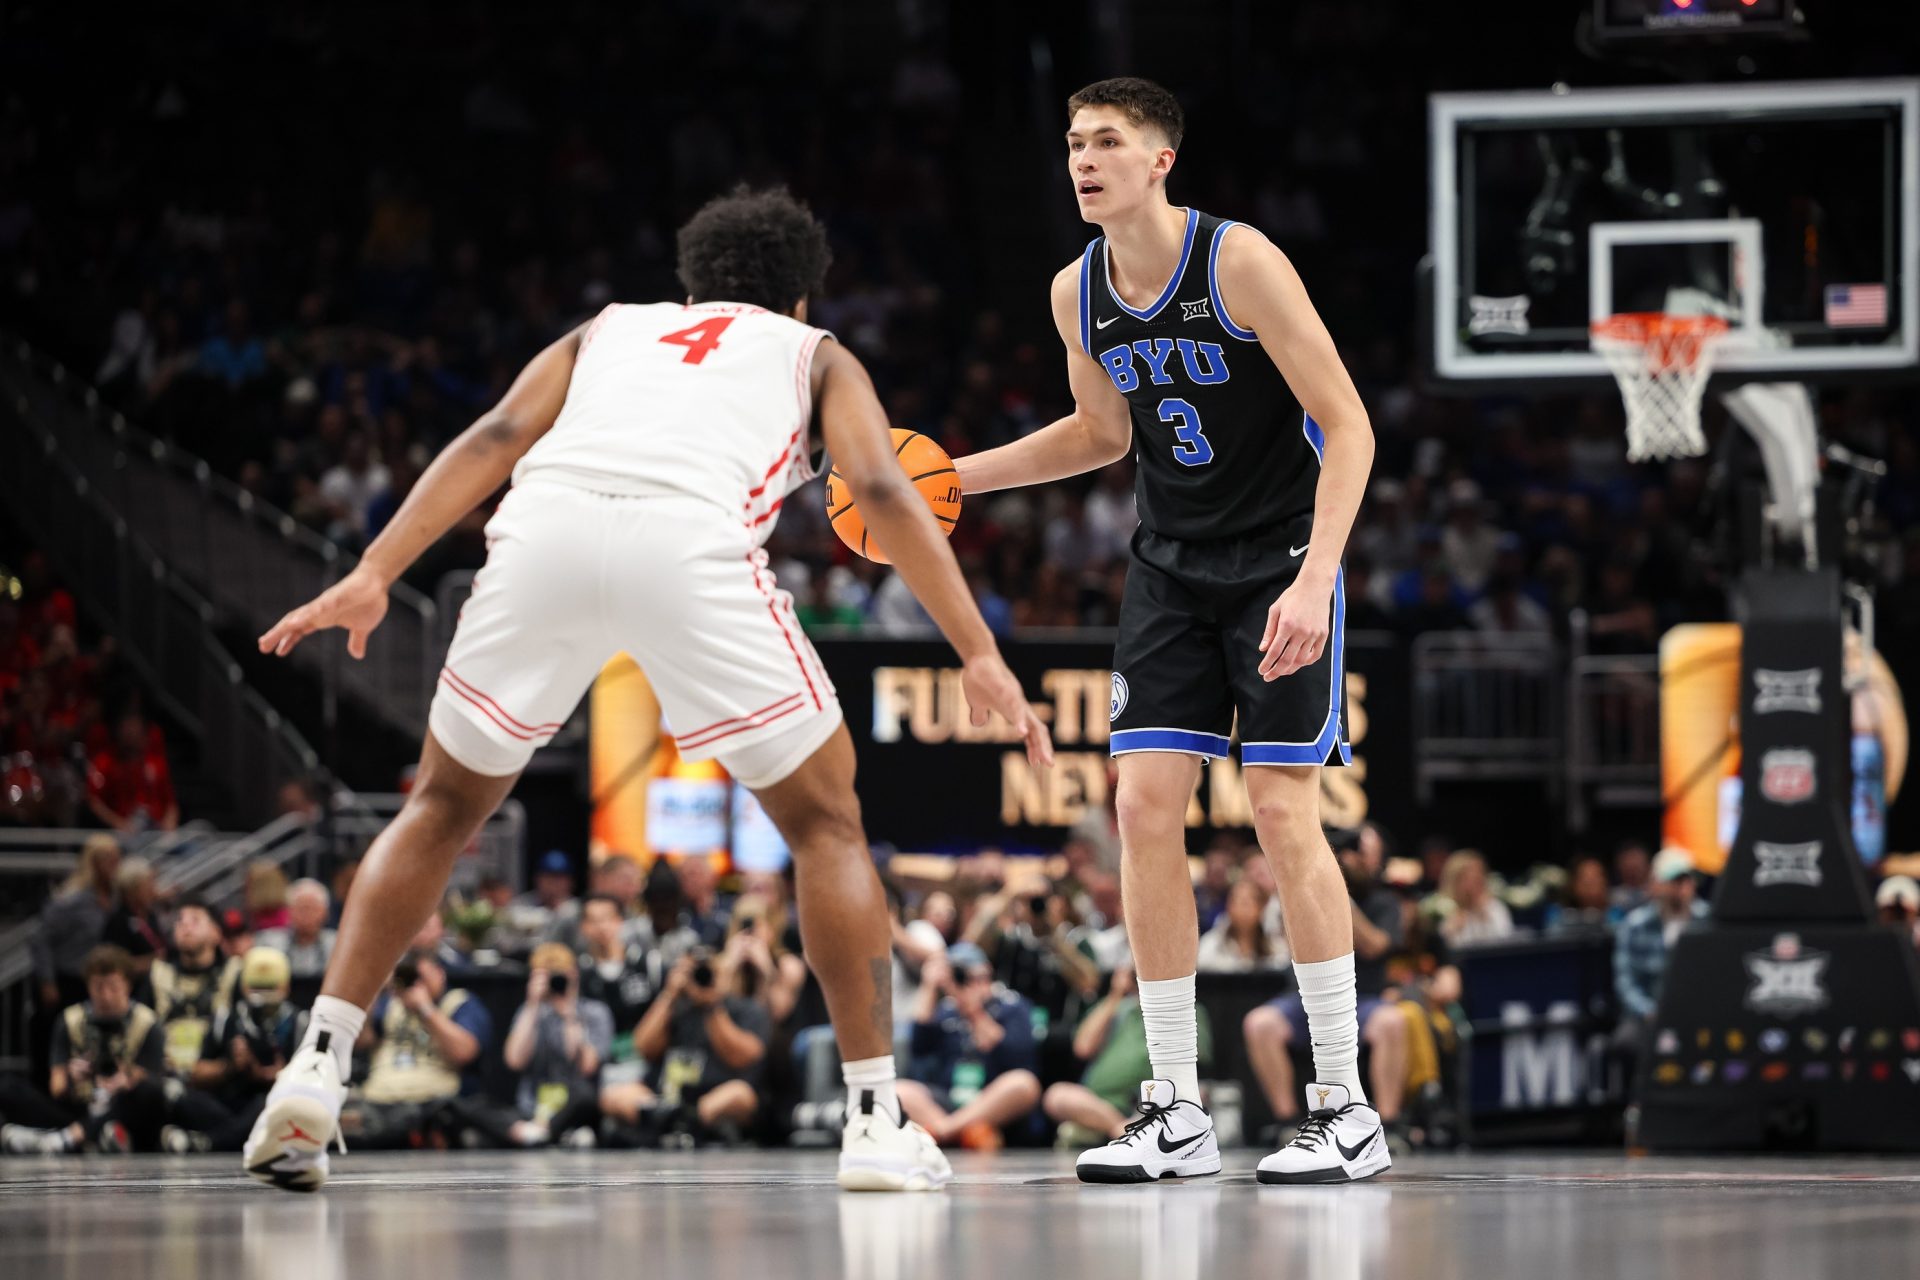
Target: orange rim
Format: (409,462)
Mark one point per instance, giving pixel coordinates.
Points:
(1670,341)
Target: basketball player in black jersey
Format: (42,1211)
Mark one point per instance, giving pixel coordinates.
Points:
(1192,343)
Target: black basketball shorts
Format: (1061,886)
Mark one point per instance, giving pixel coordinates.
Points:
(1188,656)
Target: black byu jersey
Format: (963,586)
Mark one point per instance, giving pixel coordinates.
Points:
(1223,447)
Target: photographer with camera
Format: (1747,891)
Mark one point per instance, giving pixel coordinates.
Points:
(108,1063)
(709,1047)
(240,1060)
(976,1065)
(426,1042)
(557,1042)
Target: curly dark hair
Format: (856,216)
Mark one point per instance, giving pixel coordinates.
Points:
(764,248)
(1144,103)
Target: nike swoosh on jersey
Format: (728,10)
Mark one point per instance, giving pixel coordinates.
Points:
(1101,324)
(1294,551)
(1184,1142)
(1353,1153)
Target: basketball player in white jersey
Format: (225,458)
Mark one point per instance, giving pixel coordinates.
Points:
(650,451)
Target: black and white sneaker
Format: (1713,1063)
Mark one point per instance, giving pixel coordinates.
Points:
(1340,1141)
(1171,1138)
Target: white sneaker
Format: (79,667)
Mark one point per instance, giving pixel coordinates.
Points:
(1171,1138)
(1340,1141)
(881,1153)
(288,1145)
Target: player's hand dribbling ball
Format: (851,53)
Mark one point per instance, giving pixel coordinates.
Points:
(932,473)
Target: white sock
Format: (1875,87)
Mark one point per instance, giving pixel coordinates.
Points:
(1173,1037)
(340,1022)
(1327,994)
(875,1076)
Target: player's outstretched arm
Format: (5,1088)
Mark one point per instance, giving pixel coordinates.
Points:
(1097,432)
(1262,291)
(856,433)
(477,462)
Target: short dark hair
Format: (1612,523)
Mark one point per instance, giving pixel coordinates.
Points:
(1144,103)
(105,959)
(763,248)
(185,905)
(618,908)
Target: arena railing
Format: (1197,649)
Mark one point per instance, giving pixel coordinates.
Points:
(1486,707)
(163,627)
(1613,729)
(246,555)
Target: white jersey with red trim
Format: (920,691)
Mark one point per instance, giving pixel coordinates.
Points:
(709,400)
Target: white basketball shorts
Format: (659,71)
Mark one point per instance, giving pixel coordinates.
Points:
(575,577)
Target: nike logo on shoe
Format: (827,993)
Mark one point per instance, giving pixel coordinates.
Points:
(1101,324)
(1169,1148)
(1352,1153)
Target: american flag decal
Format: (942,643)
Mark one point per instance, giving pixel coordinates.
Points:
(1856,304)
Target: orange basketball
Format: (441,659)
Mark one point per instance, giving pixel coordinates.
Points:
(932,473)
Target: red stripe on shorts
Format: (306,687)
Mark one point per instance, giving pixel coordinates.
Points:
(752,720)
(753,562)
(473,690)
(489,713)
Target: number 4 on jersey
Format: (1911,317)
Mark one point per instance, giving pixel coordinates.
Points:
(700,339)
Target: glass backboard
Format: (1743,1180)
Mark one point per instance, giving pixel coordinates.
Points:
(1790,210)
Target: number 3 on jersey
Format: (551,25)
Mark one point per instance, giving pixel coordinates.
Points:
(1193,449)
(700,339)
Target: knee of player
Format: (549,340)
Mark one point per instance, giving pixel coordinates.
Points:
(831,826)
(1146,812)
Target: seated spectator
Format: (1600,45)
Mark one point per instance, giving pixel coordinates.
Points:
(616,971)
(240,1060)
(702,908)
(129,787)
(1239,943)
(1588,905)
(1218,871)
(1274,1028)
(1112,1041)
(433,940)
(134,927)
(1471,912)
(306,942)
(105,1089)
(555,1045)
(193,988)
(1644,938)
(662,922)
(266,896)
(1898,899)
(426,1040)
(975,1067)
(73,923)
(543,911)
(708,1048)
(1632,865)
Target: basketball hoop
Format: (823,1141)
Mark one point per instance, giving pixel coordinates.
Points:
(1661,362)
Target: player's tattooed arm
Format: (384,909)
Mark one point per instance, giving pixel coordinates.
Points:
(465,473)
(1261,290)
(1099,431)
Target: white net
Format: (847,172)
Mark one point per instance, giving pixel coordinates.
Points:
(1661,363)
